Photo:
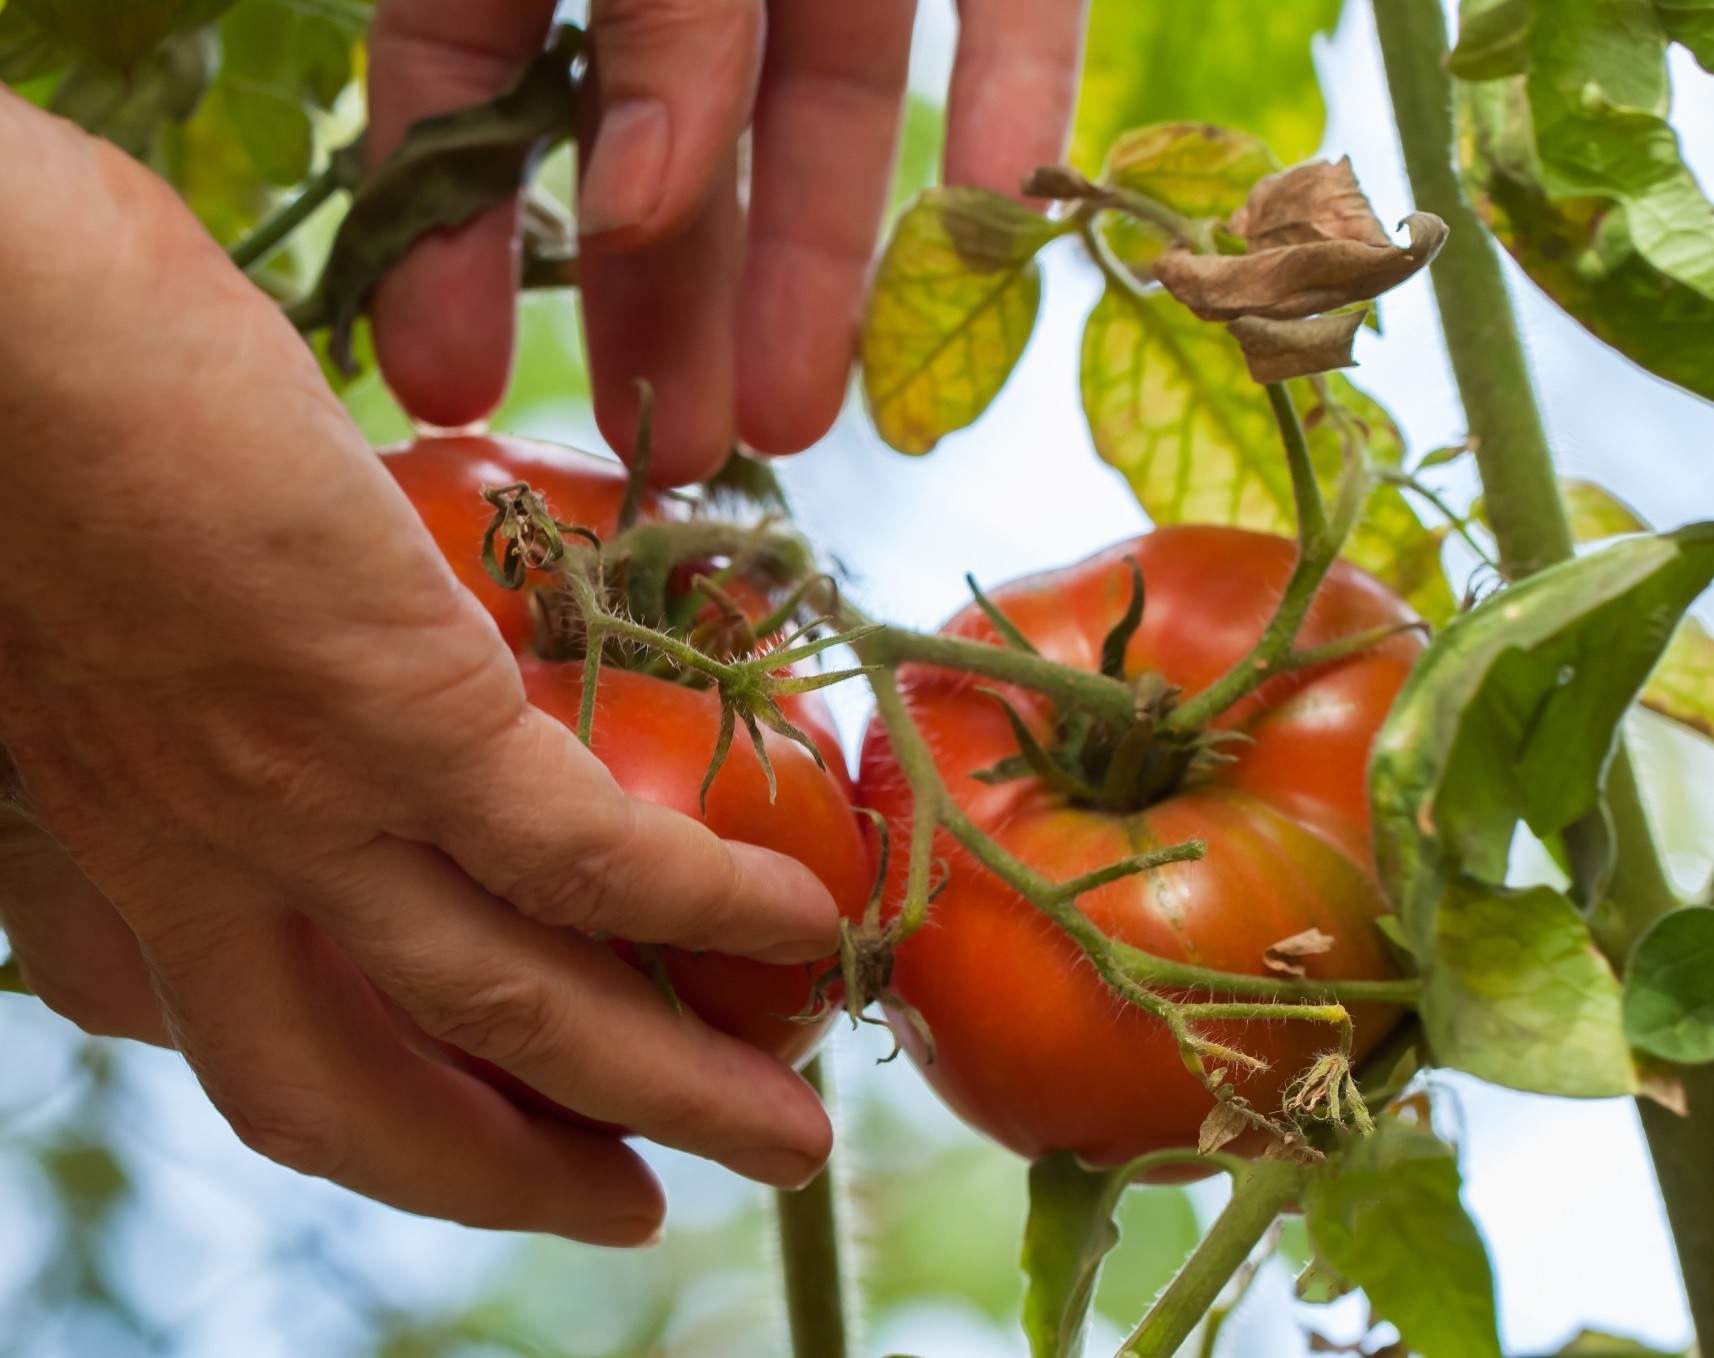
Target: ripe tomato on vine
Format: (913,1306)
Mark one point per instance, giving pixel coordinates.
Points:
(1031,1046)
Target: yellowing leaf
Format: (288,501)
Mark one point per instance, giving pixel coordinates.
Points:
(1682,685)
(1596,512)
(1237,63)
(1170,403)
(952,306)
(1193,168)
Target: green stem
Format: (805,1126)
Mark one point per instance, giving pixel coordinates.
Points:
(809,1254)
(12,978)
(1319,543)
(1109,699)
(1531,530)
(343,171)
(1261,1193)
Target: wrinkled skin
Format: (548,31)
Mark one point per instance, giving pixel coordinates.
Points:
(1032,1047)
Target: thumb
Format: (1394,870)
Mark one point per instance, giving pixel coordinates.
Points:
(674,84)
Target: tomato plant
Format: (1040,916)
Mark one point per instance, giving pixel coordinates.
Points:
(1030,1045)
(1200,853)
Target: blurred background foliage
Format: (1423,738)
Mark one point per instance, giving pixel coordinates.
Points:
(132,1223)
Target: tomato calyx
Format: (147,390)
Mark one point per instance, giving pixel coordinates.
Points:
(1093,762)
(693,601)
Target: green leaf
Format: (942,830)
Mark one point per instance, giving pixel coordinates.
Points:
(130,111)
(1669,988)
(282,62)
(447,169)
(1581,177)
(27,51)
(1388,1216)
(1690,22)
(1682,685)
(1519,995)
(922,137)
(952,306)
(1195,169)
(1512,712)
(1493,39)
(1596,513)
(1170,403)
(1599,94)
(1230,62)
(113,35)
(1069,1233)
(1599,1344)
(1511,715)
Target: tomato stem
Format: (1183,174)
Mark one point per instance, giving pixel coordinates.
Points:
(809,1257)
(1320,541)
(12,978)
(1111,700)
(342,173)
(1260,1193)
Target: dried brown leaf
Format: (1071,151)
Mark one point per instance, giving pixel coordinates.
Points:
(1223,1123)
(1295,281)
(1283,956)
(1277,351)
(1319,201)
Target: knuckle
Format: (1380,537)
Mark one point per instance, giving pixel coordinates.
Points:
(511,1021)
(299,1131)
(585,888)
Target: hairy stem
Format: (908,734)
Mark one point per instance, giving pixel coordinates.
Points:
(1259,1194)
(809,1255)
(342,172)
(1109,699)
(1318,545)
(1531,530)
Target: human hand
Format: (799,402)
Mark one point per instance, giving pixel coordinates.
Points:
(741,326)
(275,767)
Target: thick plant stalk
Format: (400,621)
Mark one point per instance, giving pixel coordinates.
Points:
(1259,1194)
(1530,527)
(809,1254)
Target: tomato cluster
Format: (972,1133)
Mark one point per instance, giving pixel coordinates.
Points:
(657,736)
(1032,1048)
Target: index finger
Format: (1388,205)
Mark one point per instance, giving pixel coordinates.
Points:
(444,315)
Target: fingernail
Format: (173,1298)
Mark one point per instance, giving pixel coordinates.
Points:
(800,950)
(776,1167)
(626,175)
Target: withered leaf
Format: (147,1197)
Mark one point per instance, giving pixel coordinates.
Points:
(1222,1124)
(1319,201)
(1284,956)
(1277,351)
(1294,281)
(448,168)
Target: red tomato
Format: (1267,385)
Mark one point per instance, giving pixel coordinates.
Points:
(445,477)
(655,735)
(1032,1048)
